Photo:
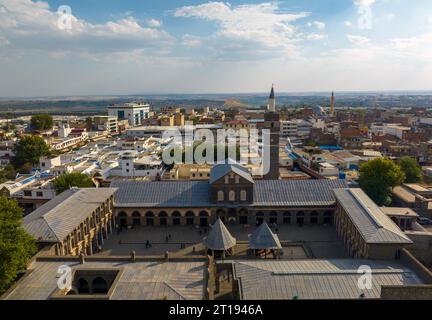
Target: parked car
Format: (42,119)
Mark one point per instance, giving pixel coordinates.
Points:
(425,221)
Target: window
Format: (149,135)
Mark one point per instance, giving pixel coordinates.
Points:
(39,194)
(220,195)
(237,179)
(27,193)
(243,195)
(226,179)
(127,170)
(232,195)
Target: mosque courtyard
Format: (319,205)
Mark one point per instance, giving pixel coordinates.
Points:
(297,242)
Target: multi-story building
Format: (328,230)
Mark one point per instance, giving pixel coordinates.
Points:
(134,112)
(106,123)
(288,128)
(179,119)
(133,166)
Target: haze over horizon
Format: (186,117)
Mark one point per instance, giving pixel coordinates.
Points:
(133,47)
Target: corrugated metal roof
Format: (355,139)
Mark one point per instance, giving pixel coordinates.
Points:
(373,224)
(219,237)
(316,279)
(189,194)
(139,280)
(54,220)
(264,238)
(221,170)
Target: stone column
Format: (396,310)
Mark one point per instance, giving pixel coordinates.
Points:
(106,231)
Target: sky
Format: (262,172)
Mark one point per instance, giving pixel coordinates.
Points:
(114,47)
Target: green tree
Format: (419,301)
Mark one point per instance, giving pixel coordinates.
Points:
(28,150)
(8,173)
(68,180)
(411,169)
(41,122)
(378,176)
(16,245)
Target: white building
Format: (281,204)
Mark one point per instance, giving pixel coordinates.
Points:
(64,130)
(46,163)
(396,130)
(288,128)
(392,129)
(131,166)
(106,123)
(135,113)
(304,128)
(328,170)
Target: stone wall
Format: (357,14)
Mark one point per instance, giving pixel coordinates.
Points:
(410,292)
(422,247)
(422,292)
(409,260)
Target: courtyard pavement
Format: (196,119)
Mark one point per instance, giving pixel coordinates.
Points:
(319,241)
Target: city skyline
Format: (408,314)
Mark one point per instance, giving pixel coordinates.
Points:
(129,47)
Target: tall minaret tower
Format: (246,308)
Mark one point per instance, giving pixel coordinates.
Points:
(272,101)
(271,145)
(332,104)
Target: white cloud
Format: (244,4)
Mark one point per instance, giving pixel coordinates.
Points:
(191,41)
(154,23)
(262,25)
(364,3)
(358,40)
(316,36)
(317,24)
(391,17)
(430,19)
(348,23)
(33,26)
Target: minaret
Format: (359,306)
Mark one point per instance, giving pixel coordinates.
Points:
(332,104)
(271,145)
(272,101)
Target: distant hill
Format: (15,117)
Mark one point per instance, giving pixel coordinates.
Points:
(235,103)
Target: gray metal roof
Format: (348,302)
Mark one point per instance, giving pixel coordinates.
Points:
(316,279)
(296,193)
(54,220)
(373,224)
(221,170)
(264,238)
(219,237)
(148,280)
(163,194)
(189,194)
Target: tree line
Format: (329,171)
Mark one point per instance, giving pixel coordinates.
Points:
(379,176)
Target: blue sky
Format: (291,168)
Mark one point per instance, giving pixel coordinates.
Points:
(178,46)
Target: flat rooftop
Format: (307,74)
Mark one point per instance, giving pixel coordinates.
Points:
(316,279)
(150,280)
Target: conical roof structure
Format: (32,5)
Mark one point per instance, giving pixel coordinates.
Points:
(264,238)
(219,237)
